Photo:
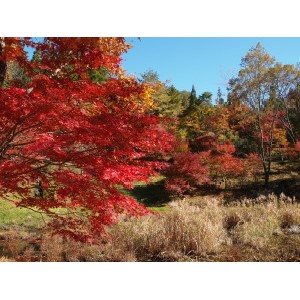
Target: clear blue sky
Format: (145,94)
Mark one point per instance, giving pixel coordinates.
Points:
(207,63)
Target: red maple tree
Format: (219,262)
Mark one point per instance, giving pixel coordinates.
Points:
(67,142)
(185,173)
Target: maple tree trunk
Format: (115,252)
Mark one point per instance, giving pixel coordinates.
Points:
(3,68)
(2,71)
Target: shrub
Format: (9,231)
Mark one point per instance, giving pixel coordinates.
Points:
(185,173)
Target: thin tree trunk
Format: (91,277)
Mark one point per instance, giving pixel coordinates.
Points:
(3,67)
(266,174)
(267,178)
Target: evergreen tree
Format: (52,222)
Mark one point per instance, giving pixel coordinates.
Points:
(193,97)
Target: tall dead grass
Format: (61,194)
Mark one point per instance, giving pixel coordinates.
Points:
(205,228)
(255,222)
(198,230)
(183,231)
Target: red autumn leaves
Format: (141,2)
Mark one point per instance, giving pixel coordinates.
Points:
(79,138)
(213,160)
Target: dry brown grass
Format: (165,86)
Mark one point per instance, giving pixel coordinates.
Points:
(289,216)
(259,230)
(55,249)
(254,222)
(183,231)
(202,229)
(199,229)
(13,242)
(5,259)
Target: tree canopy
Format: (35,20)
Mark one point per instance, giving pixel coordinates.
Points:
(75,132)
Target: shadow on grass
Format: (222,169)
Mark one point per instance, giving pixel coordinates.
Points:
(289,186)
(154,194)
(282,181)
(150,195)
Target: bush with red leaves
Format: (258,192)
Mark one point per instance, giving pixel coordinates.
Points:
(186,173)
